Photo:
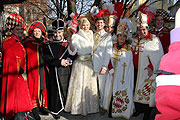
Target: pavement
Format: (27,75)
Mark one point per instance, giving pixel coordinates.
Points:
(96,116)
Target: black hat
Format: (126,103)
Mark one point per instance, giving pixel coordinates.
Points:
(58,24)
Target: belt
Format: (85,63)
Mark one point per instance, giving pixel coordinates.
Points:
(87,57)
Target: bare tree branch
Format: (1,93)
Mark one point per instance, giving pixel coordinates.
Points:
(40,10)
(82,5)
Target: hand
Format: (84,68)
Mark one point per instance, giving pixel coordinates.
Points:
(24,75)
(150,71)
(102,71)
(63,62)
(68,62)
(69,40)
(112,74)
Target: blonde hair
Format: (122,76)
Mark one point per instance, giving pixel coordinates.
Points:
(83,20)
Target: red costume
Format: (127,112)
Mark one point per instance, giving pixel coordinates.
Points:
(163,33)
(164,36)
(36,74)
(15,94)
(168,83)
(36,69)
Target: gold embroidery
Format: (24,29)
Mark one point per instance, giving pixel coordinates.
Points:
(120,101)
(146,90)
(7,38)
(98,40)
(18,59)
(124,68)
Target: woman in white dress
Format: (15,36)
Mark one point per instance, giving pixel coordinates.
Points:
(82,95)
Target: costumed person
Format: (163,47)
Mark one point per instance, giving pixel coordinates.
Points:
(120,94)
(56,58)
(160,30)
(147,52)
(110,27)
(15,97)
(102,51)
(82,97)
(36,68)
(168,84)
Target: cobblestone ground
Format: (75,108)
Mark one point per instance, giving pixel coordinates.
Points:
(97,116)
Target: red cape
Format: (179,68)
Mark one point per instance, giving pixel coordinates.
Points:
(38,99)
(164,36)
(15,94)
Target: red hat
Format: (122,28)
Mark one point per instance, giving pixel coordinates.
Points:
(164,14)
(143,20)
(37,24)
(14,20)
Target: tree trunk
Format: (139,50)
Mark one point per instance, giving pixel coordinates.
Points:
(98,3)
(71,6)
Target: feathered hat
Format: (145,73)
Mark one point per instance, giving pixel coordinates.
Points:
(125,27)
(37,24)
(146,16)
(115,10)
(111,20)
(14,20)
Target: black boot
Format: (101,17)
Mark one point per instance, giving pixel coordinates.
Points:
(36,113)
(44,111)
(56,116)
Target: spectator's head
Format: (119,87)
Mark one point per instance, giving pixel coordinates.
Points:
(161,16)
(142,25)
(37,29)
(84,24)
(142,31)
(110,26)
(99,23)
(15,24)
(124,30)
(58,29)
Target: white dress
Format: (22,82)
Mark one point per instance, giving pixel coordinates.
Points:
(82,95)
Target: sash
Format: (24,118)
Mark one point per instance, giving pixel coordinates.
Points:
(84,58)
(98,41)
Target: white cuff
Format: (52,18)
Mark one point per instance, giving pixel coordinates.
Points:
(70,52)
(162,80)
(111,71)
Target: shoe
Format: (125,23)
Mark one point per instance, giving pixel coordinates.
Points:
(35,112)
(44,111)
(30,115)
(135,114)
(102,111)
(56,116)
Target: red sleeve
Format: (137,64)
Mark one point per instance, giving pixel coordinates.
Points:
(150,64)
(110,65)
